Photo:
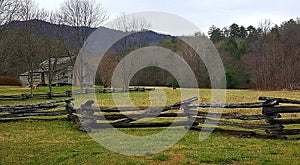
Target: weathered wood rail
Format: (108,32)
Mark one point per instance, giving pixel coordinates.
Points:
(111,90)
(70,93)
(272,122)
(29,112)
(196,115)
(88,117)
(35,96)
(274,126)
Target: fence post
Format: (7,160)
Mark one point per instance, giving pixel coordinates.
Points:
(86,119)
(269,117)
(49,94)
(190,117)
(68,93)
(70,109)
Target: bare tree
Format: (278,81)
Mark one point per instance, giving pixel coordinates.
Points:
(130,23)
(53,49)
(134,27)
(82,15)
(265,26)
(9,10)
(29,11)
(43,14)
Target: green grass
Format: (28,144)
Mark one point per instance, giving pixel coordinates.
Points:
(6,90)
(59,142)
(162,157)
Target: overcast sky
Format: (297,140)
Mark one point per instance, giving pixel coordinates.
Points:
(203,13)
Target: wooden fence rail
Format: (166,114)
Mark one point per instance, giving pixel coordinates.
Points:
(29,112)
(111,90)
(272,122)
(192,114)
(274,126)
(70,93)
(35,96)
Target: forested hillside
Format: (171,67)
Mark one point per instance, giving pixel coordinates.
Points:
(266,57)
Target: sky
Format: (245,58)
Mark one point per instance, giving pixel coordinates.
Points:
(203,13)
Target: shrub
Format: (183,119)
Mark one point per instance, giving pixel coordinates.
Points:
(231,79)
(11,81)
(161,157)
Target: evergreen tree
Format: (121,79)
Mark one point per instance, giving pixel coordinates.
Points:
(234,30)
(215,34)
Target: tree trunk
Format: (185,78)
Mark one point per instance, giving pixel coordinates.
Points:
(50,89)
(31,78)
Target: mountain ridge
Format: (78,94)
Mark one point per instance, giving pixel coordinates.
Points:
(68,33)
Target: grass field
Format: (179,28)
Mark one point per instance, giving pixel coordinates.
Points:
(59,142)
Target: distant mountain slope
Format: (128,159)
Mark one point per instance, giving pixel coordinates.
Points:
(69,33)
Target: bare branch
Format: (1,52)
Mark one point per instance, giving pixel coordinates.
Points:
(130,23)
(86,13)
(9,10)
(265,25)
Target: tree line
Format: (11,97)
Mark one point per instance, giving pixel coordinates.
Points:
(266,57)
(23,49)
(263,57)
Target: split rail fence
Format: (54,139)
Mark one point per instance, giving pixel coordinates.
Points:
(54,110)
(49,95)
(279,117)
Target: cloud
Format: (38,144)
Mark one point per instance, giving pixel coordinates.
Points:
(204,13)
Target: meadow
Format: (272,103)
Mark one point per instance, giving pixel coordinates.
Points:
(59,142)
